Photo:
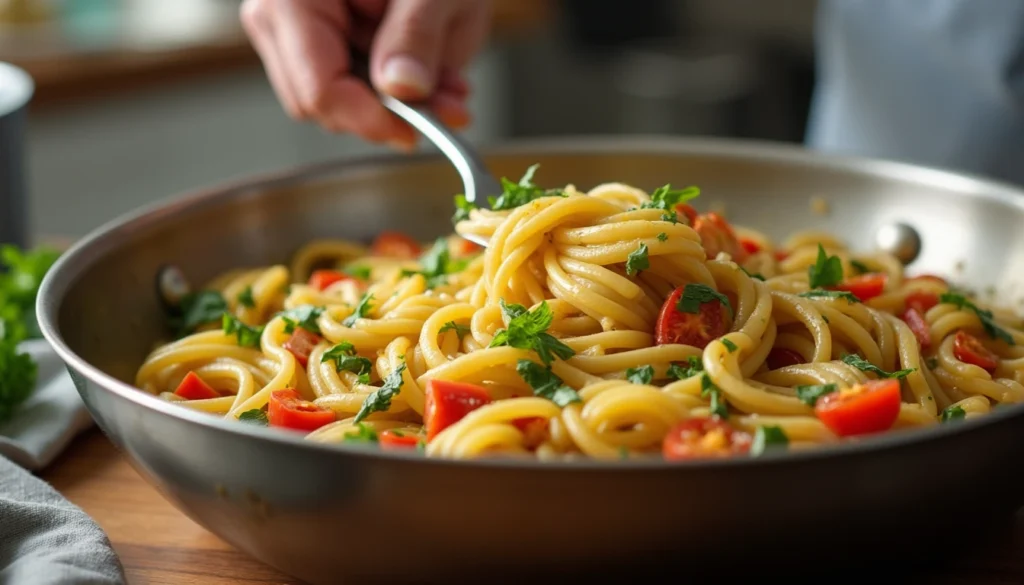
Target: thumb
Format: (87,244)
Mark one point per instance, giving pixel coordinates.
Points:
(407,51)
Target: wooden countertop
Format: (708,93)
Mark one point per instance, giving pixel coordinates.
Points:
(159,545)
(132,44)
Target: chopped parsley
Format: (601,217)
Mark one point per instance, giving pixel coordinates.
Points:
(360,271)
(860,267)
(641,375)
(768,438)
(362,309)
(197,309)
(987,320)
(380,399)
(546,384)
(863,365)
(437,264)
(345,360)
(952,412)
(363,434)
(245,299)
(256,416)
(752,275)
(827,271)
(637,260)
(665,197)
(516,194)
(460,330)
(462,208)
(304,316)
(528,330)
(809,395)
(662,237)
(246,335)
(670,216)
(830,294)
(709,390)
(695,295)
(692,368)
(729,345)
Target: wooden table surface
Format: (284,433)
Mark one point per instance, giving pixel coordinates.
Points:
(159,545)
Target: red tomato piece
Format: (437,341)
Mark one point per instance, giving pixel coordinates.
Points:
(969,349)
(871,407)
(321,279)
(716,235)
(193,387)
(704,438)
(396,245)
(781,357)
(865,286)
(447,402)
(289,410)
(301,344)
(464,247)
(917,323)
(534,429)
(686,210)
(921,301)
(750,246)
(392,440)
(697,330)
(781,255)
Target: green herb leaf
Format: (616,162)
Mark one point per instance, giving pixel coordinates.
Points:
(987,319)
(809,395)
(752,275)
(462,209)
(245,299)
(18,373)
(361,311)
(546,384)
(827,271)
(197,309)
(363,434)
(528,330)
(693,367)
(637,260)
(695,295)
(380,399)
(952,412)
(623,452)
(460,330)
(830,294)
(860,267)
(304,316)
(345,360)
(21,273)
(729,345)
(866,366)
(641,375)
(768,438)
(360,271)
(932,363)
(516,194)
(670,216)
(662,237)
(709,390)
(247,336)
(437,264)
(665,197)
(256,416)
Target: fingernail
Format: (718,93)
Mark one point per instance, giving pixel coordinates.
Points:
(407,73)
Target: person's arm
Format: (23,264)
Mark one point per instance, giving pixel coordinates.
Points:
(418,50)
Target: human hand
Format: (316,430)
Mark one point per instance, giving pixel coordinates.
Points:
(417,49)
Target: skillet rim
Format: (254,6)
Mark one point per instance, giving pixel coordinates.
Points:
(100,241)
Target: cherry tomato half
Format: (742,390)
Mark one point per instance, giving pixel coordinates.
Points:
(917,323)
(871,407)
(193,387)
(394,440)
(921,300)
(694,329)
(447,402)
(716,235)
(464,247)
(534,429)
(865,286)
(396,245)
(750,246)
(321,279)
(289,410)
(686,210)
(301,344)
(969,349)
(704,438)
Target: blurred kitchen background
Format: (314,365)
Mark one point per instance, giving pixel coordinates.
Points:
(137,100)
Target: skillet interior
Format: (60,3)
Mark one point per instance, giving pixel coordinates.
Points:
(321,513)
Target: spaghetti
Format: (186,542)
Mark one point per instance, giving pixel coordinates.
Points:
(603,324)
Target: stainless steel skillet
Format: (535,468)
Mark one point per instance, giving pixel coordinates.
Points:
(325,513)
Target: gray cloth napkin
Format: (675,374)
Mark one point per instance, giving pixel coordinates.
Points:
(45,539)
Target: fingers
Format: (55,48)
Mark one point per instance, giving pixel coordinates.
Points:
(406,55)
(258,28)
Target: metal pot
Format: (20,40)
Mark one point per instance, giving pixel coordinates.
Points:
(325,513)
(16,90)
